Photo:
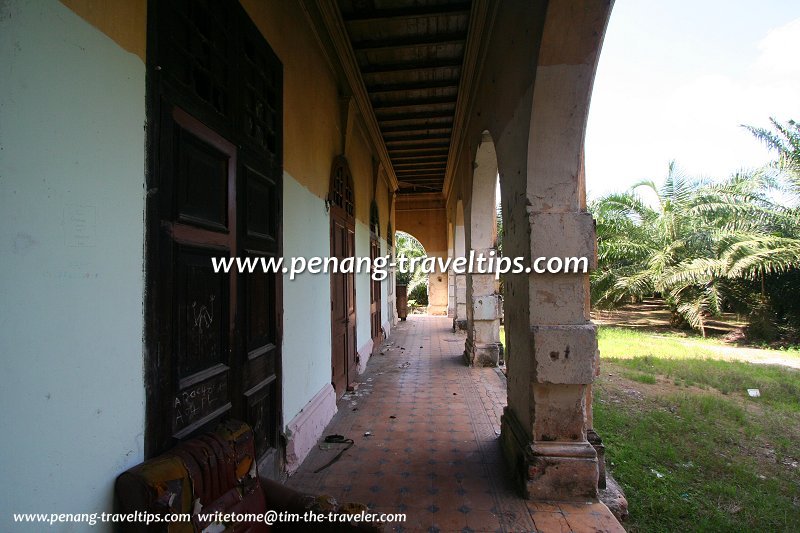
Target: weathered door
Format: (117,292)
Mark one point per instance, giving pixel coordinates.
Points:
(375,293)
(343,288)
(215,187)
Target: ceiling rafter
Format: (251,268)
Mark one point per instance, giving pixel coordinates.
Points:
(424,150)
(417,136)
(331,18)
(461,8)
(416,102)
(412,86)
(418,126)
(426,115)
(382,68)
(410,41)
(481,21)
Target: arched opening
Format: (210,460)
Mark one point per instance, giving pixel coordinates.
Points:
(413,277)
(484,302)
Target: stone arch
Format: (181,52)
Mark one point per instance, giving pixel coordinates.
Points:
(425,252)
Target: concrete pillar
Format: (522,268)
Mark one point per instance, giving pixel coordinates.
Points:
(451,293)
(545,427)
(484,305)
(451,280)
(483,318)
(437,291)
(460,281)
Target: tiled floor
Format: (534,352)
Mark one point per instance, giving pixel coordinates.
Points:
(425,429)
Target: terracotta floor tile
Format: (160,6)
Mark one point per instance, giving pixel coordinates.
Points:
(551,522)
(483,521)
(439,459)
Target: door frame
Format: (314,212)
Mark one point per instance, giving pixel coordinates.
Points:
(157,253)
(342,210)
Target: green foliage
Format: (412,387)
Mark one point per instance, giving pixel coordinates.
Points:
(785,140)
(416,280)
(705,247)
(419,294)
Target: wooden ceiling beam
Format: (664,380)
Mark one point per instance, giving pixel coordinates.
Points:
(381,15)
(421,115)
(383,68)
(403,150)
(408,169)
(442,157)
(417,102)
(410,41)
(425,143)
(420,126)
(411,138)
(412,86)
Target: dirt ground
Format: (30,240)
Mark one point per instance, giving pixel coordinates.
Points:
(652,315)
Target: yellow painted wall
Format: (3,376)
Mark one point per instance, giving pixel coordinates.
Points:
(124,21)
(311,109)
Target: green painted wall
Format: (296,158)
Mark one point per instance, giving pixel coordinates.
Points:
(71,284)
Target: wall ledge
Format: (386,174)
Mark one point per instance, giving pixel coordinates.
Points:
(305,429)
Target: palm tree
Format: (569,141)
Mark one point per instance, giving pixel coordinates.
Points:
(785,140)
(700,245)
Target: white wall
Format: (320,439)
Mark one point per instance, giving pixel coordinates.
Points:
(363,329)
(71,241)
(385,304)
(306,299)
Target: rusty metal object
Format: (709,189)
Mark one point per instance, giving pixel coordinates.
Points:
(402,301)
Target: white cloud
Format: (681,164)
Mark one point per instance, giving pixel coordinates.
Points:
(641,119)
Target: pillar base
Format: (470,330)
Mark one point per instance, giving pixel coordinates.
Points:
(480,354)
(597,443)
(549,470)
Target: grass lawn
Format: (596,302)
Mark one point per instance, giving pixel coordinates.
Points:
(691,449)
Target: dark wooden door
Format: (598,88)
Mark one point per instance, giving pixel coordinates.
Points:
(343,288)
(375,293)
(198,223)
(214,192)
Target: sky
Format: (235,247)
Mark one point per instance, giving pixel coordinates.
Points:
(677,78)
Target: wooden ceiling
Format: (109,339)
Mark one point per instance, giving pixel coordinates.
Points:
(410,54)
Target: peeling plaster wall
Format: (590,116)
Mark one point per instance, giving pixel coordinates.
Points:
(306,309)
(71,285)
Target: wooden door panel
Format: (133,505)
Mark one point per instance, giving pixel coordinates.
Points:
(214,189)
(375,294)
(261,210)
(261,367)
(343,289)
(261,406)
(202,183)
(339,310)
(203,300)
(199,303)
(352,340)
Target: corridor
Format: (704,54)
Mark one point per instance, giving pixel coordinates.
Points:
(425,430)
